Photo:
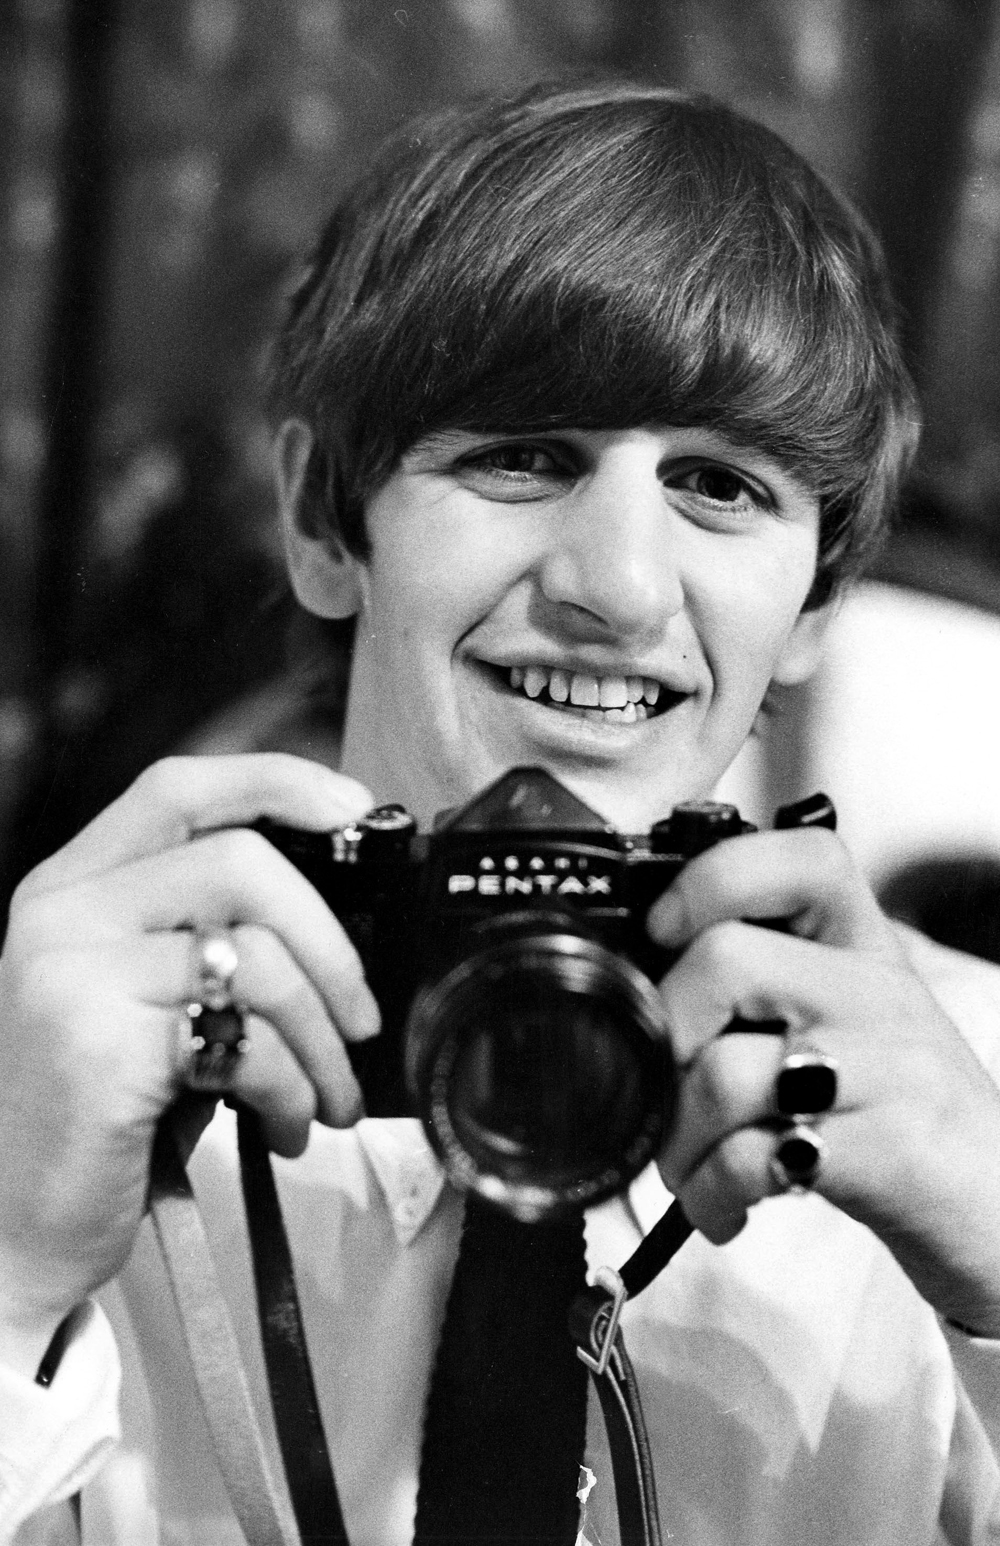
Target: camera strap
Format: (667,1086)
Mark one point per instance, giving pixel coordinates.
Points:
(308,1511)
(259,1499)
(505,1422)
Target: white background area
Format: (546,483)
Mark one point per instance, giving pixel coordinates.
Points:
(904,730)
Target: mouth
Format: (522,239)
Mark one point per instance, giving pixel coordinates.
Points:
(625,700)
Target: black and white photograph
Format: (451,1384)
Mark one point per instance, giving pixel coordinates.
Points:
(500,773)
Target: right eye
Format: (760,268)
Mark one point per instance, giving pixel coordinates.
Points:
(516,458)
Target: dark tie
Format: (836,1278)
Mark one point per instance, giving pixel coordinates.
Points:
(506,1415)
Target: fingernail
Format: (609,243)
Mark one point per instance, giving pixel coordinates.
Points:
(667,920)
(367,1020)
(353,1112)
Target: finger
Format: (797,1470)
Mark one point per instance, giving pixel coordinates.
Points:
(730,1180)
(265,1076)
(730,1084)
(124,1009)
(806,877)
(224,879)
(270,982)
(738,970)
(182,796)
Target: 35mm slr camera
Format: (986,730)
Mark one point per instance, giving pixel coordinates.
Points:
(508,953)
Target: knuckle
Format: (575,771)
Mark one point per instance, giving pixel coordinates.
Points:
(26,892)
(290,998)
(824,856)
(36,915)
(259,953)
(54,984)
(162,781)
(24,902)
(266,977)
(717,947)
(300,1102)
(704,881)
(238,853)
(711,1078)
(733,1162)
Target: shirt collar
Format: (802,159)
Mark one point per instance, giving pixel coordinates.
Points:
(411,1179)
(406,1168)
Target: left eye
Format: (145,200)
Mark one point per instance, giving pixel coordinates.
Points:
(719,484)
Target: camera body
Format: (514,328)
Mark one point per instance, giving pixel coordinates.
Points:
(508,953)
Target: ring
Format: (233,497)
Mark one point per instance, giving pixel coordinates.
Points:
(212,1024)
(797,1158)
(215,967)
(806,1085)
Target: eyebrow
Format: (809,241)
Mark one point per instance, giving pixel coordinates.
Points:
(434,440)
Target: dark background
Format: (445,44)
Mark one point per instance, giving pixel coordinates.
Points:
(163,161)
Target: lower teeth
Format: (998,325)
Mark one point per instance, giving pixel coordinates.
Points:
(631,714)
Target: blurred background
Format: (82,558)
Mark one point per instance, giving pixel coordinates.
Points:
(162,163)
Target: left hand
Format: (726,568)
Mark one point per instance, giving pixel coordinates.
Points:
(913,1141)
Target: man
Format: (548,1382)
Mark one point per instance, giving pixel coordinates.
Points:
(587,407)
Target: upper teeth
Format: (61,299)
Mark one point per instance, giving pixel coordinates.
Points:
(584,690)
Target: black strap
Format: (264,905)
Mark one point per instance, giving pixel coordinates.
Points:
(506,1416)
(293,1392)
(654,1252)
(54,1352)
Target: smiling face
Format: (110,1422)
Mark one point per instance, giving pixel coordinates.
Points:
(610,605)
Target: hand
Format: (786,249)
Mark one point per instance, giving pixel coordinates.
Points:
(913,1142)
(96,969)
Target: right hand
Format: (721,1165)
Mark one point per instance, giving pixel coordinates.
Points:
(95,973)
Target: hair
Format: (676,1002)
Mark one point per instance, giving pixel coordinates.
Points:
(602,257)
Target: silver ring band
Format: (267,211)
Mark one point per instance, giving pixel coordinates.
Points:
(216,1038)
(797,1158)
(806,1085)
(215,967)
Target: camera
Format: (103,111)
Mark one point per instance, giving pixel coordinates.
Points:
(508,953)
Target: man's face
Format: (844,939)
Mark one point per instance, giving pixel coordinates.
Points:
(610,605)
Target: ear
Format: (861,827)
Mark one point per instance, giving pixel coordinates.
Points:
(327,579)
(804,645)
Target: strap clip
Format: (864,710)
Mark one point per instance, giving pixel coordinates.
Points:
(604,1324)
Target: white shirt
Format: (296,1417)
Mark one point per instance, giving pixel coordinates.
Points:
(797,1389)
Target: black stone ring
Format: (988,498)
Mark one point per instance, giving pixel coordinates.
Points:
(806,1085)
(797,1158)
(217,1041)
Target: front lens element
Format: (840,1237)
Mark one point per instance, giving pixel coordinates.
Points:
(541,1070)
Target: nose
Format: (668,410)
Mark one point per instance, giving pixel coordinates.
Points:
(612,565)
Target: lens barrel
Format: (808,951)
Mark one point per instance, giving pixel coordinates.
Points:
(541,1068)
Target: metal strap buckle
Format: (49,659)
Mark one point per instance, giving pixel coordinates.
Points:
(604,1327)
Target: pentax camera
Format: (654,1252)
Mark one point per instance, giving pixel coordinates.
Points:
(508,953)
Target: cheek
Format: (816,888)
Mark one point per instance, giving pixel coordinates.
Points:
(751,618)
(417,614)
(436,581)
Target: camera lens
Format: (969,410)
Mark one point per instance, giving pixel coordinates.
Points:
(539,1066)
